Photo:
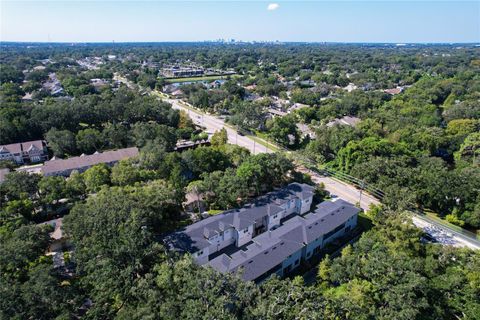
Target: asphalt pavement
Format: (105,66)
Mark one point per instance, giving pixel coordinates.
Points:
(340,189)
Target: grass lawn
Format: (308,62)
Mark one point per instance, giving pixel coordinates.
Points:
(214,212)
(203,78)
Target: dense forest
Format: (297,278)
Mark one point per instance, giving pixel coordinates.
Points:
(419,143)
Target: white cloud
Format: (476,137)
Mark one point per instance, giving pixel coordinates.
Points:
(273,6)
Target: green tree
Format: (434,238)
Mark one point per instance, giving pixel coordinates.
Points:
(52,189)
(76,185)
(62,142)
(220,138)
(96,177)
(115,230)
(20,185)
(89,140)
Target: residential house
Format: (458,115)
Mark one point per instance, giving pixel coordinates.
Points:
(346,121)
(24,152)
(393,91)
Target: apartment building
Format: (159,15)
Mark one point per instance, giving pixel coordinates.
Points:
(235,228)
(64,167)
(24,152)
(271,236)
(281,250)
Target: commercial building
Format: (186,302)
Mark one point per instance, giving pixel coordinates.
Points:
(269,236)
(64,167)
(24,152)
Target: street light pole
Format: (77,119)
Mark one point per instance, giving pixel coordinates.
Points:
(361,190)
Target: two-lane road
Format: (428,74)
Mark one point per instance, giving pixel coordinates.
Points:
(213,124)
(334,186)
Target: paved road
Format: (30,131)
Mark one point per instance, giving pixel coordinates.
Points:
(442,235)
(213,124)
(340,189)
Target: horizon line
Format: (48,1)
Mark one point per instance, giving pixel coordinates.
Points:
(228,41)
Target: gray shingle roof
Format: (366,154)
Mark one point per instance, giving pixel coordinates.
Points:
(273,247)
(193,237)
(60,165)
(22,146)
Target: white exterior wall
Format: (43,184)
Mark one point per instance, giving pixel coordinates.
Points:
(6,156)
(311,247)
(18,159)
(201,257)
(221,240)
(352,222)
(339,233)
(274,222)
(291,261)
(304,206)
(290,207)
(244,237)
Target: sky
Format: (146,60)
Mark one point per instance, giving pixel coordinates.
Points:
(298,21)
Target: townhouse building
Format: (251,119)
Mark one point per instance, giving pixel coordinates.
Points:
(64,167)
(271,237)
(236,228)
(24,152)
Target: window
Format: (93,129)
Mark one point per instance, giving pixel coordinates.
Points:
(329,234)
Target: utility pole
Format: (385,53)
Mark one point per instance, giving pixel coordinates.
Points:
(253,146)
(361,190)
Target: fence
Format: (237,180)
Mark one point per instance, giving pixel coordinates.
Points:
(379,194)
